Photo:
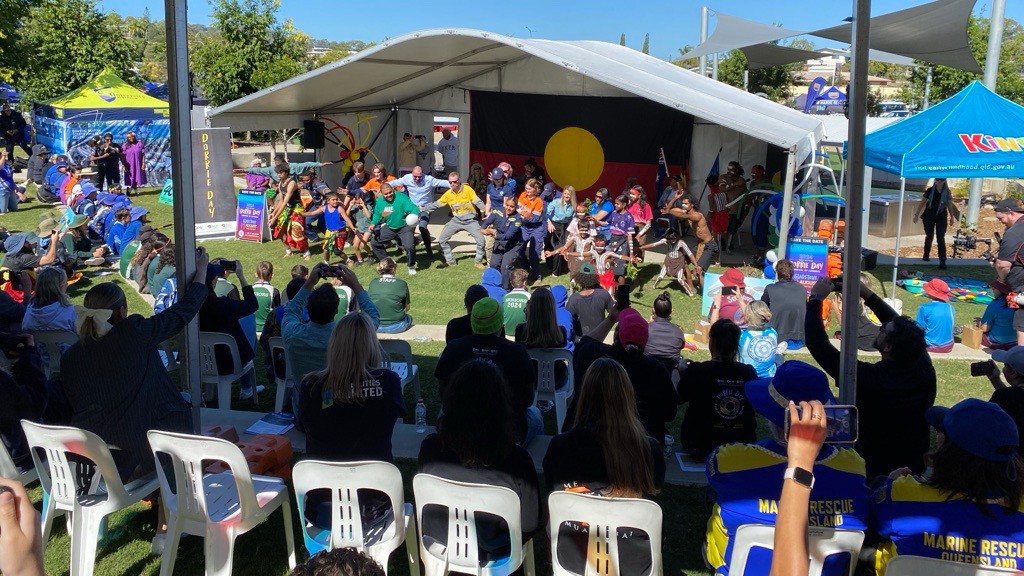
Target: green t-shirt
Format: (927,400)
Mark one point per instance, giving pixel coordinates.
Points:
(127,253)
(268,297)
(155,280)
(393,214)
(223,288)
(390,295)
(514,309)
(344,300)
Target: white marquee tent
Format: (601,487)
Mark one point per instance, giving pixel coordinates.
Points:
(415,76)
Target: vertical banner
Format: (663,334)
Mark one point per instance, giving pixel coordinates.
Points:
(213,186)
(251,214)
(809,257)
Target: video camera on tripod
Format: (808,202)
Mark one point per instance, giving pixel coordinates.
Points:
(965,242)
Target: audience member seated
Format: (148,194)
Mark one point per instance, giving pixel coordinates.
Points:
(147,254)
(718,411)
(488,342)
(563,316)
(665,340)
(491,281)
(78,250)
(655,397)
(759,342)
(476,442)
(591,304)
(748,478)
(25,395)
(787,300)
(997,321)
(893,394)
(731,298)
(268,296)
(336,562)
(514,303)
(122,215)
(607,452)
(20,256)
(540,328)
(936,317)
(115,382)
(137,218)
(224,288)
(392,298)
(1009,395)
(969,508)
(50,308)
(272,327)
(222,314)
(462,325)
(128,252)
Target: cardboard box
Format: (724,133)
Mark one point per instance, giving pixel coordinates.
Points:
(971,337)
(700,332)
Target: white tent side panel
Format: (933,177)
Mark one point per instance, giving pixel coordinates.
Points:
(707,139)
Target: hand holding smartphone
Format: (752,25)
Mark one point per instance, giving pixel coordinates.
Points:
(841,424)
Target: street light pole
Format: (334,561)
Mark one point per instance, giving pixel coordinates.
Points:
(995,42)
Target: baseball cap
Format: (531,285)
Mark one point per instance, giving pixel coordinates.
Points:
(1014,358)
(632,328)
(487,317)
(979,427)
(1009,205)
(497,174)
(793,381)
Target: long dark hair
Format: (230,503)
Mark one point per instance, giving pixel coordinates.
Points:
(541,328)
(961,474)
(477,421)
(166,257)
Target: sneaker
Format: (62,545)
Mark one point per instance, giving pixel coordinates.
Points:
(446,264)
(306,255)
(480,266)
(247,394)
(96,261)
(287,252)
(412,271)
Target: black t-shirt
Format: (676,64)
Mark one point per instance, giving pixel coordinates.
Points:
(1011,400)
(719,411)
(788,302)
(457,328)
(937,200)
(19,261)
(347,431)
(114,159)
(1012,243)
(577,458)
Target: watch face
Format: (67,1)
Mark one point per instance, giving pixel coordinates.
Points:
(803,476)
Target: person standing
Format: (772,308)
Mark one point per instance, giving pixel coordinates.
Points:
(464,203)
(407,150)
(531,211)
(12,129)
(419,187)
(559,214)
(508,239)
(1009,264)
(935,209)
(389,223)
(108,163)
(133,155)
(734,186)
(448,147)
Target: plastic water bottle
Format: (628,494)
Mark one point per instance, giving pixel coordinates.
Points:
(421,339)
(421,417)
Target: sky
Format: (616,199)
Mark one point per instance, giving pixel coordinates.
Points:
(671,24)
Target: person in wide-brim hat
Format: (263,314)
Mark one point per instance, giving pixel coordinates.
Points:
(77,244)
(937,316)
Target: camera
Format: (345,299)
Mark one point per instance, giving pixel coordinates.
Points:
(983,368)
(963,242)
(333,271)
(228,265)
(837,283)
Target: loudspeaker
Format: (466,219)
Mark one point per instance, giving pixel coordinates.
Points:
(313,134)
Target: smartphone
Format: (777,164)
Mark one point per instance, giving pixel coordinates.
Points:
(728,290)
(622,297)
(983,368)
(333,271)
(228,265)
(841,424)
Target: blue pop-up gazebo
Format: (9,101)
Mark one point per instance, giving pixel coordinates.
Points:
(975,133)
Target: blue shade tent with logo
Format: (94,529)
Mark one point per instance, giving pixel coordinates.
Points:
(973,134)
(9,94)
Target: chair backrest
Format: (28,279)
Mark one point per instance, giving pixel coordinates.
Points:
(278,357)
(208,343)
(398,351)
(344,480)
(66,479)
(821,544)
(51,341)
(916,565)
(7,468)
(546,359)
(603,518)
(463,501)
(187,453)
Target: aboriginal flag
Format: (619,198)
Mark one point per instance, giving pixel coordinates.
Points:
(587,142)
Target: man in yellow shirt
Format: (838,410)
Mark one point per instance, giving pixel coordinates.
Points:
(464,203)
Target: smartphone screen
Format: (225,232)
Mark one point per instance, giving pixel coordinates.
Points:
(622,297)
(841,424)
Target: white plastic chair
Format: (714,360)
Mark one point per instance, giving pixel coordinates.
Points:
(547,359)
(170,360)
(603,517)
(461,553)
(917,565)
(283,384)
(63,482)
(10,471)
(208,342)
(219,507)
(399,360)
(821,543)
(344,480)
(50,341)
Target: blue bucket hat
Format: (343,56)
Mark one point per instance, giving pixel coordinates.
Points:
(138,212)
(794,381)
(979,427)
(89,188)
(15,242)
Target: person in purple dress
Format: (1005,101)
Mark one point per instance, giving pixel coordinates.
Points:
(133,155)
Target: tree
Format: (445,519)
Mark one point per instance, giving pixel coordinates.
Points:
(67,59)
(774,81)
(646,49)
(248,50)
(12,50)
(622,39)
(686,62)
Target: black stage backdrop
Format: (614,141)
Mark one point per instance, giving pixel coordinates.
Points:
(585,141)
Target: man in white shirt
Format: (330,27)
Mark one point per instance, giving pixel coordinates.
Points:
(420,188)
(449,149)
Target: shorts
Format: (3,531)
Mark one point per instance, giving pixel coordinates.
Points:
(675,262)
(710,250)
(335,239)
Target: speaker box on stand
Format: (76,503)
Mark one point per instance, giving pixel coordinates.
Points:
(313,134)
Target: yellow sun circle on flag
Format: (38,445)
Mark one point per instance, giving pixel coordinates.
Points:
(574,157)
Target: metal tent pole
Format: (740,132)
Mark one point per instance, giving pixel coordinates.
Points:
(899,237)
(176,23)
(703,60)
(787,202)
(995,41)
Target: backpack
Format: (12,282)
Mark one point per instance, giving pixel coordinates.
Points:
(168,295)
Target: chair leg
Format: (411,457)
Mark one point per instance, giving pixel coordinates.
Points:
(219,548)
(170,553)
(84,542)
(49,511)
(224,393)
(282,389)
(529,564)
(289,531)
(412,548)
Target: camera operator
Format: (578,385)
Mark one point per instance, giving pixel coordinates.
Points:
(1009,394)
(1009,263)
(23,388)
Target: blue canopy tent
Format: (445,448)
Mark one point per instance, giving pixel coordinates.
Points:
(973,134)
(9,94)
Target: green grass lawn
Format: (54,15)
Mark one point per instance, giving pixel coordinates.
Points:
(436,298)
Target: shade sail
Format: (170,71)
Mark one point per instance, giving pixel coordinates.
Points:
(768,55)
(732,32)
(974,134)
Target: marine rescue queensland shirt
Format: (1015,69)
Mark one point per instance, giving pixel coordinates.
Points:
(748,481)
(919,520)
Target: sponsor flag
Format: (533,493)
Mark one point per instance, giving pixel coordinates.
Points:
(813,91)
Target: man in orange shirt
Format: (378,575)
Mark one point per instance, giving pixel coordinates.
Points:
(530,207)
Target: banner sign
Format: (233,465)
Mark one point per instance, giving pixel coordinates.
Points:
(809,257)
(252,208)
(712,286)
(213,186)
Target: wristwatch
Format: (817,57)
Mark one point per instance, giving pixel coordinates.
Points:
(800,476)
